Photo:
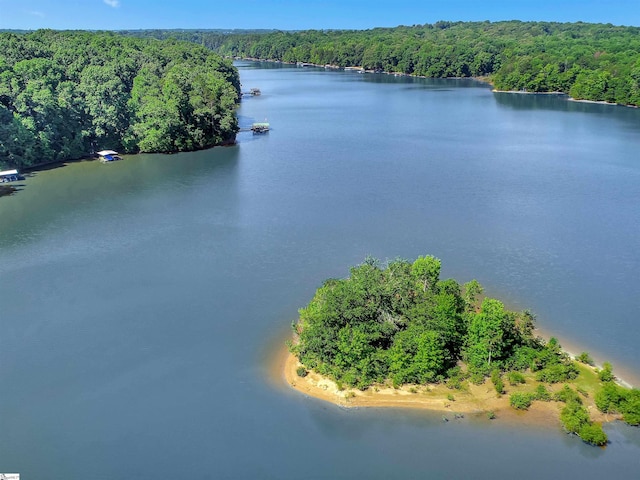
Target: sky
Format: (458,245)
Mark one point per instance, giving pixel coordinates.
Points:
(300,14)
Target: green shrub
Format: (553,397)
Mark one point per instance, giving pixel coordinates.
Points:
(542,393)
(455,378)
(612,398)
(585,358)
(593,434)
(496,379)
(606,374)
(574,416)
(631,407)
(515,378)
(632,418)
(491,415)
(520,400)
(567,395)
(523,357)
(302,372)
(609,397)
(557,373)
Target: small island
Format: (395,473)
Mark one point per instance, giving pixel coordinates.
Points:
(396,335)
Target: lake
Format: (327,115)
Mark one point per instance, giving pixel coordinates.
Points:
(144,301)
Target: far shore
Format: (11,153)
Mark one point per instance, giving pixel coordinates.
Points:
(525,92)
(360,69)
(475,401)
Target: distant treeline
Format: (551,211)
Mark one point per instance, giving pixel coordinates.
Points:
(588,61)
(66,94)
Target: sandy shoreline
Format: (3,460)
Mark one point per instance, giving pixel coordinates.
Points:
(477,401)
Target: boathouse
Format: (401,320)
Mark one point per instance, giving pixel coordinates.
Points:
(261,127)
(9,176)
(108,156)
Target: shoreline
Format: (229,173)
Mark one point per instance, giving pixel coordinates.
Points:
(574,350)
(475,401)
(485,80)
(524,92)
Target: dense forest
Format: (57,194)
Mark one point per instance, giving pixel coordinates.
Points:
(64,95)
(588,61)
(399,323)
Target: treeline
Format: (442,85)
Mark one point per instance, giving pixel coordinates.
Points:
(588,61)
(64,95)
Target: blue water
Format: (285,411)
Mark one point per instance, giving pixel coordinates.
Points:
(141,300)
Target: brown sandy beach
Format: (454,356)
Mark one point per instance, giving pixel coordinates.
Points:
(476,400)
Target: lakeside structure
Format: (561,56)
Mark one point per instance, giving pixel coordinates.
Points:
(7,176)
(260,127)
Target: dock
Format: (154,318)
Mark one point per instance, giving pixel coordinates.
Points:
(261,127)
(254,92)
(107,156)
(9,176)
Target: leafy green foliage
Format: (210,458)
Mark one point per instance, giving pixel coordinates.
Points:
(496,379)
(401,322)
(521,400)
(606,374)
(492,336)
(573,416)
(567,395)
(542,393)
(585,358)
(609,398)
(593,434)
(588,61)
(64,95)
(515,378)
(426,271)
(557,373)
(575,419)
(612,398)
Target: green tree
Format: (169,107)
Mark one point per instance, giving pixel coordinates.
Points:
(490,335)
(426,271)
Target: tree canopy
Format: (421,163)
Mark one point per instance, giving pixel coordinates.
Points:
(588,61)
(401,322)
(66,94)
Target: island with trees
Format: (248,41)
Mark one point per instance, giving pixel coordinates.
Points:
(64,95)
(596,62)
(397,335)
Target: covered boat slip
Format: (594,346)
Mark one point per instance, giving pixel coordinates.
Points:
(261,127)
(9,176)
(107,156)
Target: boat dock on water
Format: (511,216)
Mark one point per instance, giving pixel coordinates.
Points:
(107,156)
(262,127)
(9,176)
